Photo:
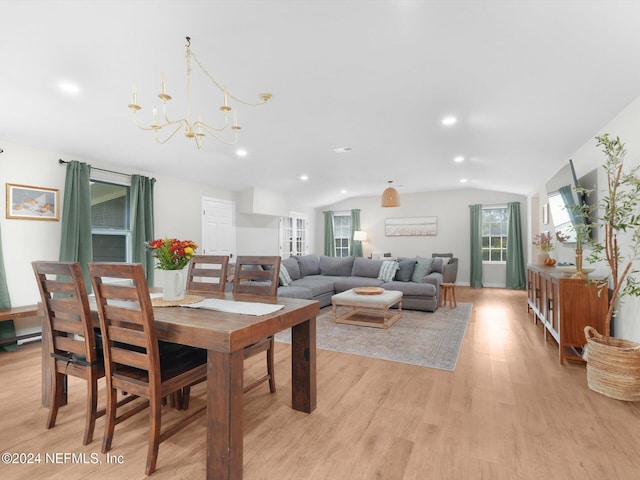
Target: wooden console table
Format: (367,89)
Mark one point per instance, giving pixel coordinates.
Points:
(564,306)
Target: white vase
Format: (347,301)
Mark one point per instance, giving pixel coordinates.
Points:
(173,285)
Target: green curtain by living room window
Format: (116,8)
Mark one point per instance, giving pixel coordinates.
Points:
(475,278)
(142,222)
(356,245)
(516,275)
(7,329)
(329,237)
(75,241)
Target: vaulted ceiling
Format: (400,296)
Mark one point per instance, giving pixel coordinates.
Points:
(528,81)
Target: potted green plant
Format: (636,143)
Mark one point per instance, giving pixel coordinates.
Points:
(613,364)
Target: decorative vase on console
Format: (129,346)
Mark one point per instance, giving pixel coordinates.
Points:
(173,256)
(545,245)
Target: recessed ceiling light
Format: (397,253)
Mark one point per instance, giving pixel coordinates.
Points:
(463,180)
(342,149)
(304,177)
(459,159)
(70,88)
(241,152)
(343,191)
(450,120)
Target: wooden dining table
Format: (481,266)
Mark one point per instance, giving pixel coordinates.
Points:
(224,336)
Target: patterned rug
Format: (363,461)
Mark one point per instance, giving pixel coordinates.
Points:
(419,338)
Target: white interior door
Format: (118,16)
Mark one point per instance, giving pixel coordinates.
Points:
(218,227)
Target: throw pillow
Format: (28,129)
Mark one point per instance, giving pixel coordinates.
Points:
(422,269)
(291,264)
(437,265)
(388,270)
(285,279)
(405,269)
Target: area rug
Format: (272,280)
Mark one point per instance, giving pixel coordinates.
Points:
(419,338)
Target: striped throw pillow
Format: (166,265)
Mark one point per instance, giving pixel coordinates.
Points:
(388,270)
(285,278)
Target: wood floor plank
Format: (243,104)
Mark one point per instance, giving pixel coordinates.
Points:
(509,410)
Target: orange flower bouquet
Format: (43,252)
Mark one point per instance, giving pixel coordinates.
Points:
(171,253)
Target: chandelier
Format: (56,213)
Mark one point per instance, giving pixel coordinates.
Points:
(197,129)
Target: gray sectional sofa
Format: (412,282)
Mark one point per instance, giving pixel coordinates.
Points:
(316,277)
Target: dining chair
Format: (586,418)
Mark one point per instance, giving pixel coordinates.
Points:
(132,357)
(74,345)
(204,270)
(259,275)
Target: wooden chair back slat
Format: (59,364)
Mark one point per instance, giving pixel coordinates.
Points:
(129,358)
(69,344)
(130,336)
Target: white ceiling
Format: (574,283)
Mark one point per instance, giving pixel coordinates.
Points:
(529,81)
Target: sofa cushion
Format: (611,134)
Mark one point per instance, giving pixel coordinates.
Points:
(316,283)
(405,269)
(411,289)
(388,270)
(295,292)
(285,279)
(340,266)
(291,264)
(422,269)
(309,265)
(346,283)
(364,267)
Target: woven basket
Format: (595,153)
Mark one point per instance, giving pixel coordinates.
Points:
(613,369)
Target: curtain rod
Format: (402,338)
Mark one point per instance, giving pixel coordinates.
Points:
(61,162)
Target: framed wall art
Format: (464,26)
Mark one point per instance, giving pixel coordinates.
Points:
(412,226)
(32,203)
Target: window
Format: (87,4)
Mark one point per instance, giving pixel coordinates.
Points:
(110,227)
(494,234)
(342,234)
(294,231)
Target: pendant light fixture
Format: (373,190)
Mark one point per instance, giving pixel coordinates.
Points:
(390,197)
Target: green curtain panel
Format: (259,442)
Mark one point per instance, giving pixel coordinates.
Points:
(7,329)
(516,275)
(356,245)
(475,278)
(142,222)
(75,241)
(329,238)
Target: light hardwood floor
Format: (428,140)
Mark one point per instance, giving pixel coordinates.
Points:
(509,411)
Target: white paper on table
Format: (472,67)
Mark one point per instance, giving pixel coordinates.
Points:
(230,306)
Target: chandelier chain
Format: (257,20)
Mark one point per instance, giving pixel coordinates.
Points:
(217,84)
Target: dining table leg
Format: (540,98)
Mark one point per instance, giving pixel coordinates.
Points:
(303,366)
(224,414)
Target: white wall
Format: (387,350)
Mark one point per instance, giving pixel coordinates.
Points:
(452,211)
(588,157)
